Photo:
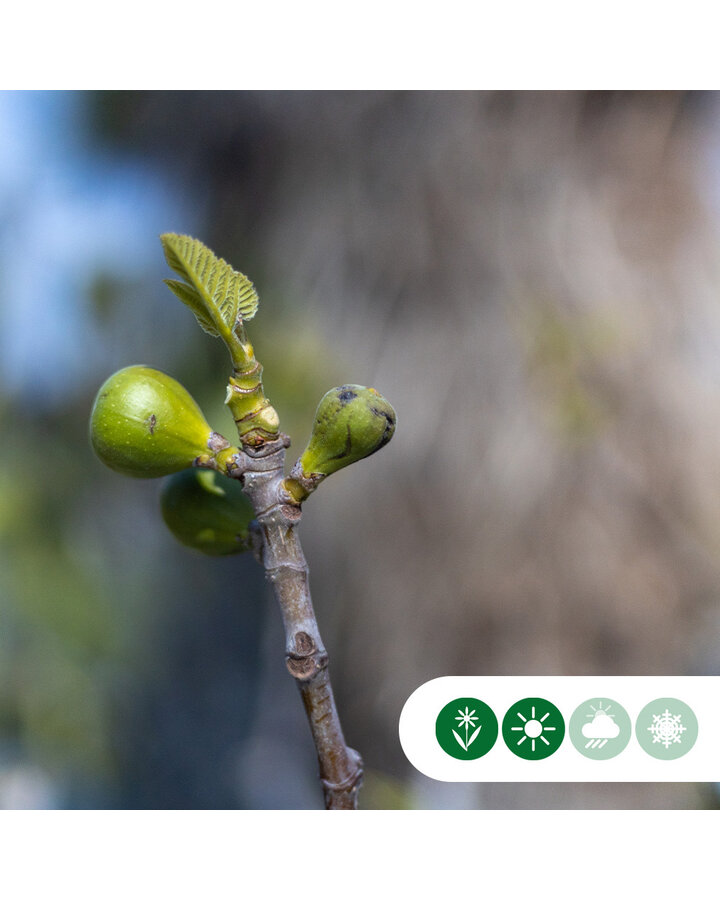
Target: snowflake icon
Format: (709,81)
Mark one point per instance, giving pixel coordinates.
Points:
(666,729)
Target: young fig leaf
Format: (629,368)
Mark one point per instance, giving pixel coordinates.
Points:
(219,296)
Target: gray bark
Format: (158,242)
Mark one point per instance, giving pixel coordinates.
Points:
(278,549)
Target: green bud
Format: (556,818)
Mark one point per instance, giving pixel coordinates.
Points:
(144,423)
(351,422)
(207,511)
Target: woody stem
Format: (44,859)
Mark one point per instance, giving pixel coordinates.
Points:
(261,472)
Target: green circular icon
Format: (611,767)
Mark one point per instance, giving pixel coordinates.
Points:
(533,728)
(466,728)
(666,728)
(600,728)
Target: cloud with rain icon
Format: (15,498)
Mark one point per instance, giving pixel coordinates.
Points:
(600,730)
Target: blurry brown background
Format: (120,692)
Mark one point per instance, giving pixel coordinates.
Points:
(533,280)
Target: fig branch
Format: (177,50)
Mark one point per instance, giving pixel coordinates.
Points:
(279,551)
(223,499)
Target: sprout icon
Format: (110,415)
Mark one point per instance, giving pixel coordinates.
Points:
(601,729)
(468,719)
(466,728)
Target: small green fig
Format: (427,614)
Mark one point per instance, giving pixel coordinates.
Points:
(207,511)
(144,423)
(351,422)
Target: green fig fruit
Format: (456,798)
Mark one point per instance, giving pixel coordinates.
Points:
(207,511)
(351,422)
(144,423)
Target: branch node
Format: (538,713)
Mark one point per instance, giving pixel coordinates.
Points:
(306,660)
(343,794)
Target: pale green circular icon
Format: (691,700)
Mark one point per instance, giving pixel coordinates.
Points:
(600,728)
(666,728)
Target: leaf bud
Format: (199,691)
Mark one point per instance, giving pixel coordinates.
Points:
(207,511)
(144,423)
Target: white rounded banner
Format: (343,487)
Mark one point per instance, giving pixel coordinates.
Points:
(564,728)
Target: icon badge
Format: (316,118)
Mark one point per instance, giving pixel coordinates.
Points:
(666,728)
(600,728)
(533,728)
(466,728)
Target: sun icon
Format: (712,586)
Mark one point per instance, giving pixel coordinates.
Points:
(533,728)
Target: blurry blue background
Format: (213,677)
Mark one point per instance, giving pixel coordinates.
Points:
(531,279)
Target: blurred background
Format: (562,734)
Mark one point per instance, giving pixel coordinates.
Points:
(533,280)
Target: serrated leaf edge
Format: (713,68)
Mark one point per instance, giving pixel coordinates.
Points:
(221,298)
